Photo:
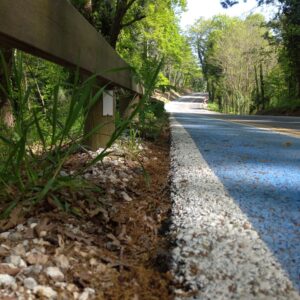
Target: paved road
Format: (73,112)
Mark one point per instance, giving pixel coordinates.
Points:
(259,170)
(195,104)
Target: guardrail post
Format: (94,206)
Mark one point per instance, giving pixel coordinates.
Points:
(127,105)
(102,114)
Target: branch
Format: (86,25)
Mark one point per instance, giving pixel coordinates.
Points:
(133,21)
(129,4)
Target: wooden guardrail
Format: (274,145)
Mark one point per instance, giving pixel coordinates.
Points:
(56,31)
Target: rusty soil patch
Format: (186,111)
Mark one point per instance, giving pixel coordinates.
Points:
(112,251)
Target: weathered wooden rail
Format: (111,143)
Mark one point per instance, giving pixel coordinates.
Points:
(56,31)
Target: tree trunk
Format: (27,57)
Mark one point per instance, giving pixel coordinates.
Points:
(6,111)
(262,86)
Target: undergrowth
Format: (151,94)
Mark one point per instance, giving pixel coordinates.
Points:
(38,146)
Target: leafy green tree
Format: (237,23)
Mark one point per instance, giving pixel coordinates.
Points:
(288,23)
(111,17)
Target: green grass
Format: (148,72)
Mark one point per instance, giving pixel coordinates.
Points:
(213,106)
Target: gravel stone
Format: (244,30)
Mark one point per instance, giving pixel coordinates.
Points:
(16,236)
(33,270)
(7,281)
(16,260)
(30,283)
(126,197)
(54,273)
(35,257)
(4,235)
(45,291)
(87,294)
(62,261)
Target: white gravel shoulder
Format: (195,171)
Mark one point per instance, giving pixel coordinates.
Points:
(218,255)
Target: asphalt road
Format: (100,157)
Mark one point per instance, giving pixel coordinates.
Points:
(259,168)
(195,104)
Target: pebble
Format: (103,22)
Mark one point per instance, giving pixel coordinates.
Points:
(36,258)
(4,235)
(16,260)
(62,261)
(87,294)
(16,236)
(55,273)
(20,227)
(19,250)
(33,270)
(45,291)
(33,225)
(7,281)
(126,197)
(30,283)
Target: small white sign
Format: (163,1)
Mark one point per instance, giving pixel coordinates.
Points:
(108,103)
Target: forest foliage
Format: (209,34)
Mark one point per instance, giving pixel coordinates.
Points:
(251,65)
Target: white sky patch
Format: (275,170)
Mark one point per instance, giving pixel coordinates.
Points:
(209,8)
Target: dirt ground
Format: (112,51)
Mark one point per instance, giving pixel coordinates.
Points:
(116,250)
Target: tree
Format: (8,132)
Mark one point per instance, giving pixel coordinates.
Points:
(111,17)
(289,23)
(235,58)
(6,110)
(157,38)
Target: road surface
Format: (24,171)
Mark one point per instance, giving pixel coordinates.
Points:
(236,189)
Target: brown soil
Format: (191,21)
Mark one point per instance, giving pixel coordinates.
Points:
(118,250)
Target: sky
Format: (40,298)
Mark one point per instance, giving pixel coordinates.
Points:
(209,8)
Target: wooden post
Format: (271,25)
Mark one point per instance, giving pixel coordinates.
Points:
(123,104)
(102,114)
(130,105)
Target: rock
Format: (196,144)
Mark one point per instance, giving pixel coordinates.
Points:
(41,242)
(30,283)
(126,197)
(61,285)
(19,250)
(87,294)
(35,269)
(26,244)
(32,225)
(16,236)
(71,287)
(9,269)
(16,260)
(7,281)
(36,258)
(63,173)
(247,225)
(3,251)
(43,233)
(55,273)
(20,227)
(62,261)
(4,235)
(93,262)
(45,291)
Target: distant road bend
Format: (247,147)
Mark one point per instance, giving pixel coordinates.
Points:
(236,195)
